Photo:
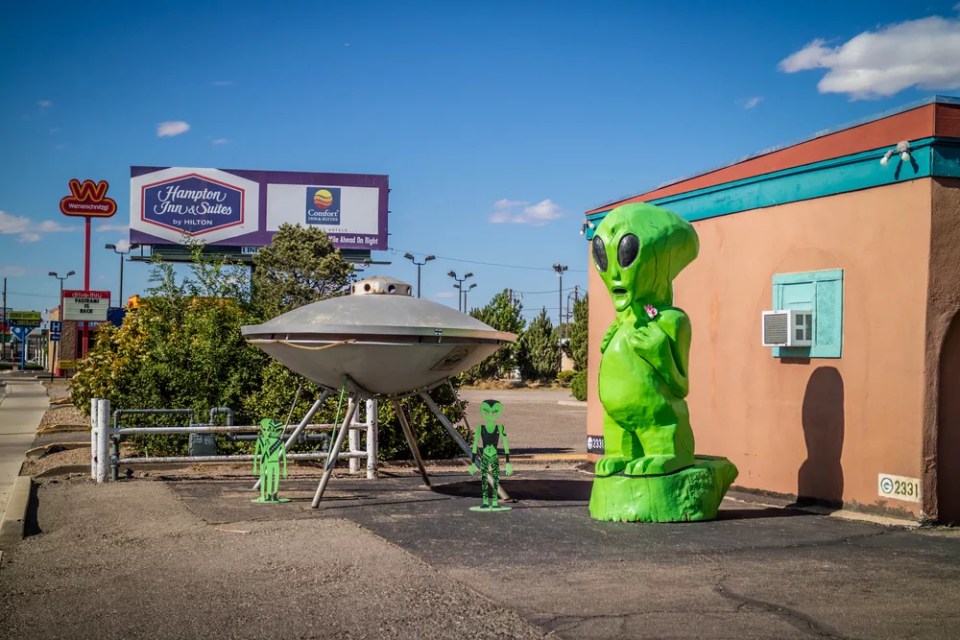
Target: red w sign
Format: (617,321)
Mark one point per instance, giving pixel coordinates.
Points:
(88,199)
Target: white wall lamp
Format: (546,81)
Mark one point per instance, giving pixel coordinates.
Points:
(585,226)
(903,148)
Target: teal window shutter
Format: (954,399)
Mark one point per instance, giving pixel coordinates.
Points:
(821,292)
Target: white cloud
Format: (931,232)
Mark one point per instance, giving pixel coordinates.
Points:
(444,294)
(750,103)
(218,141)
(172,128)
(27,229)
(223,83)
(44,104)
(123,245)
(921,53)
(108,227)
(539,214)
(12,271)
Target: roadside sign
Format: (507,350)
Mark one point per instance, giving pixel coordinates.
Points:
(56,326)
(86,306)
(24,318)
(88,199)
(21,332)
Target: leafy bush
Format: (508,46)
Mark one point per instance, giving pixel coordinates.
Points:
(578,385)
(564,377)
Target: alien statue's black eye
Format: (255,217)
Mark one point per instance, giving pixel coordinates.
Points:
(627,250)
(599,253)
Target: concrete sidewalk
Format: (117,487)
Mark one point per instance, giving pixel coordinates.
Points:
(23,401)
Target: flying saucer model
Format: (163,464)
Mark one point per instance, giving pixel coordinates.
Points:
(379,341)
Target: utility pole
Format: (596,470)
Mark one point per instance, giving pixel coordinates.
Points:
(3,344)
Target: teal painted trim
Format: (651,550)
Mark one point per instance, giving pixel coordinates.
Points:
(931,157)
(821,291)
(810,276)
(946,159)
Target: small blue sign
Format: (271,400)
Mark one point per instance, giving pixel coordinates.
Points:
(323,205)
(21,333)
(56,326)
(54,337)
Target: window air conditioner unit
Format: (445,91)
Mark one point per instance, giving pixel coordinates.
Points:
(788,328)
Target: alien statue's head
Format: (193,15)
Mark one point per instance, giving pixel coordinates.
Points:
(638,250)
(270,428)
(490,411)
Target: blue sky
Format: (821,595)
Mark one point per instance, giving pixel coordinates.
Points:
(499,123)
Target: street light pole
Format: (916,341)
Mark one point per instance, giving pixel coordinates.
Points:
(409,257)
(56,355)
(122,253)
(560,268)
(466,307)
(459,286)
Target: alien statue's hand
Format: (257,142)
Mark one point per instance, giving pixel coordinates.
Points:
(651,342)
(508,469)
(473,468)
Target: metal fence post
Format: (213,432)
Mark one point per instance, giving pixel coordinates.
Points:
(353,438)
(94,405)
(103,441)
(372,439)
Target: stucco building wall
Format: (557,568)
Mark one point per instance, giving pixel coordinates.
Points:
(819,427)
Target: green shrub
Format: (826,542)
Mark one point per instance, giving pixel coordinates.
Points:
(564,377)
(578,385)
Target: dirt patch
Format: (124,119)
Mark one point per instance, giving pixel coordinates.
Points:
(138,564)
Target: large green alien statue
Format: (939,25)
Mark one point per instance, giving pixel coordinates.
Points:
(649,472)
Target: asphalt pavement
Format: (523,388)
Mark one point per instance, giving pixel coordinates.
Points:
(186,556)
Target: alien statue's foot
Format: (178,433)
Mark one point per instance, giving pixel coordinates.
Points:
(609,465)
(656,465)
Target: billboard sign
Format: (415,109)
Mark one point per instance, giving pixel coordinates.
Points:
(241,208)
(85,306)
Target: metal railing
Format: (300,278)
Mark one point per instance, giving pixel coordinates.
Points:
(105,464)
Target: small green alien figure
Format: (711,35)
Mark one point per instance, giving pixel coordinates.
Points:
(487,439)
(638,250)
(268,455)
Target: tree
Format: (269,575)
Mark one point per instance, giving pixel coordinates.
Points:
(503,314)
(300,266)
(577,335)
(180,348)
(538,354)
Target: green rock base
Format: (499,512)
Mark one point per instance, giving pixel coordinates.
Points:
(688,495)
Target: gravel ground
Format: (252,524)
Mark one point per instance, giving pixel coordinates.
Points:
(159,572)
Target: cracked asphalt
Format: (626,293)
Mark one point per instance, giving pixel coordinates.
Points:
(186,556)
(390,558)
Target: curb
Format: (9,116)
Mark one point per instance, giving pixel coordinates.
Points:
(572,403)
(11,527)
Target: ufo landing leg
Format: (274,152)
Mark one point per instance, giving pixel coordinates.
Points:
(334,453)
(411,441)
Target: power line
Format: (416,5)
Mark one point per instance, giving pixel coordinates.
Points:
(492,264)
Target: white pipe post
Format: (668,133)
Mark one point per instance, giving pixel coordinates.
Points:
(353,438)
(94,405)
(103,441)
(372,439)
